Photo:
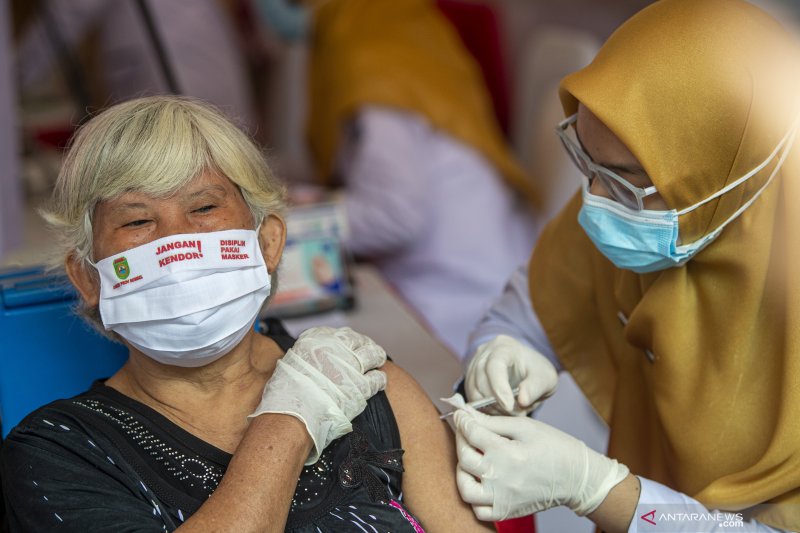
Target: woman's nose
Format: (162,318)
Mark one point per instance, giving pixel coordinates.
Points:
(175,224)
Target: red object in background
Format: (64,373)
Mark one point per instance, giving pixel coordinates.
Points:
(57,136)
(524,524)
(479,29)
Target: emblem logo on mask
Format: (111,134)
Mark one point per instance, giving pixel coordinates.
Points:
(121,267)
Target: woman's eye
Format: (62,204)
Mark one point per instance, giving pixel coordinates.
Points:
(135,223)
(204,209)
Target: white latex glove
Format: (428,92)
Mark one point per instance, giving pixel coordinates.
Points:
(503,363)
(325,380)
(510,467)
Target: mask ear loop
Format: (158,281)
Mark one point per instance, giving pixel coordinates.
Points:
(87,228)
(791,136)
(258,241)
(788,138)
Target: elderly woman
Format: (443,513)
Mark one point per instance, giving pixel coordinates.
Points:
(172,235)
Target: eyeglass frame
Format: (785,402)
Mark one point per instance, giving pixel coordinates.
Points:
(592,169)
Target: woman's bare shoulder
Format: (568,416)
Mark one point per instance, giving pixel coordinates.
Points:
(429,481)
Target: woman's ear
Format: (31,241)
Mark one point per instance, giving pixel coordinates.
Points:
(273,238)
(87,283)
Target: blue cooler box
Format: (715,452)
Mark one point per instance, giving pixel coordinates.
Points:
(46,352)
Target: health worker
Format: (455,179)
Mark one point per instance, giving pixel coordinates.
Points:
(400,120)
(669,288)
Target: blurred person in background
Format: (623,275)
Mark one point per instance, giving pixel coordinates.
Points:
(400,119)
(143,47)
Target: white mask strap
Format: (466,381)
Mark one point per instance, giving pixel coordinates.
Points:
(87,228)
(786,139)
(711,236)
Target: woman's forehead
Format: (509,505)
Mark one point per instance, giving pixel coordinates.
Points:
(206,181)
(206,185)
(606,148)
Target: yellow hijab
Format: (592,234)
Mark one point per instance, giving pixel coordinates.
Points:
(402,54)
(701,91)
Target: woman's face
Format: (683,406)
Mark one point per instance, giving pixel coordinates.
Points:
(607,149)
(209,202)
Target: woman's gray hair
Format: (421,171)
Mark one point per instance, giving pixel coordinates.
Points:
(155,146)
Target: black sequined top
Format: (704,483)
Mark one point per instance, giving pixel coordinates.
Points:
(104,462)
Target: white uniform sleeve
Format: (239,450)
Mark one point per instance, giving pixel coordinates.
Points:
(386,191)
(513,315)
(662,509)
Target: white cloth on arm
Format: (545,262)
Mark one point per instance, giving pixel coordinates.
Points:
(435,217)
(512,314)
(662,499)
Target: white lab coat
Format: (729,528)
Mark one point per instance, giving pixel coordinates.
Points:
(434,216)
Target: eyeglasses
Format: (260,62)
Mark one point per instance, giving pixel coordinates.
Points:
(618,187)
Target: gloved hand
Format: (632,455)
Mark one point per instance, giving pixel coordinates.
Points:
(510,467)
(503,363)
(325,380)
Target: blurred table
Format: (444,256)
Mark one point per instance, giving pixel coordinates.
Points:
(380,314)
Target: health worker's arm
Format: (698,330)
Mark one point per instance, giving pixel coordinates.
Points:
(429,486)
(513,315)
(387,197)
(509,349)
(671,510)
(512,466)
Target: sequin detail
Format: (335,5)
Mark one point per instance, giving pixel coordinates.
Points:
(356,469)
(186,469)
(314,483)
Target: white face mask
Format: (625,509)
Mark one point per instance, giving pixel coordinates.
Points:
(185,300)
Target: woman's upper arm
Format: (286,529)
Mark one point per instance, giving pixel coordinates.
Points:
(429,481)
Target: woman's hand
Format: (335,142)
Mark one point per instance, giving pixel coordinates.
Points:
(510,467)
(503,363)
(325,380)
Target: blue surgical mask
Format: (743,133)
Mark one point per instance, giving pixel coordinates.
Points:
(647,241)
(288,20)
